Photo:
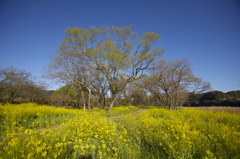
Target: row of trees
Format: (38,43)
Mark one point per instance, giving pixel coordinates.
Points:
(17,86)
(105,67)
(103,61)
(112,64)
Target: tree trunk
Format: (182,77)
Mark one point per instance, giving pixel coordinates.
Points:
(100,103)
(177,103)
(83,99)
(99,99)
(104,102)
(11,99)
(111,105)
(89,99)
(168,100)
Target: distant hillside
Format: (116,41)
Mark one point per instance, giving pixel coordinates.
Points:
(215,98)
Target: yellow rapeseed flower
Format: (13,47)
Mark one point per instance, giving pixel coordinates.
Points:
(104,146)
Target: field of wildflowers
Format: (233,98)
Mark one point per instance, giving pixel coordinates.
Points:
(32,131)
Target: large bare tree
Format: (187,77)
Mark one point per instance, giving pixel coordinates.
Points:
(171,82)
(18,84)
(107,58)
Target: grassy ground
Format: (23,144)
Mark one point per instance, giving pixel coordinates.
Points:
(220,109)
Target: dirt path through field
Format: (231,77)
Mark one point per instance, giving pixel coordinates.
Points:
(134,113)
(110,118)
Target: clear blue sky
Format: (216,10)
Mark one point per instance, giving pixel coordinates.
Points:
(207,32)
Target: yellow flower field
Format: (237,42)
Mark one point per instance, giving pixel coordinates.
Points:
(32,131)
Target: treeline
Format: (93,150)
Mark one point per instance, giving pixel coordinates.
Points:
(214,98)
(105,67)
(166,84)
(17,86)
(114,65)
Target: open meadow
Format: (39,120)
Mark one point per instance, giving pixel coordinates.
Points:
(220,109)
(31,131)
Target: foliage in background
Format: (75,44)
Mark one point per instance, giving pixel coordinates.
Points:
(214,98)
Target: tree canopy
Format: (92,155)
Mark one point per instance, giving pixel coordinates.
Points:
(103,60)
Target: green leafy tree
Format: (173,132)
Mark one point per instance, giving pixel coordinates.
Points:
(213,98)
(115,53)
